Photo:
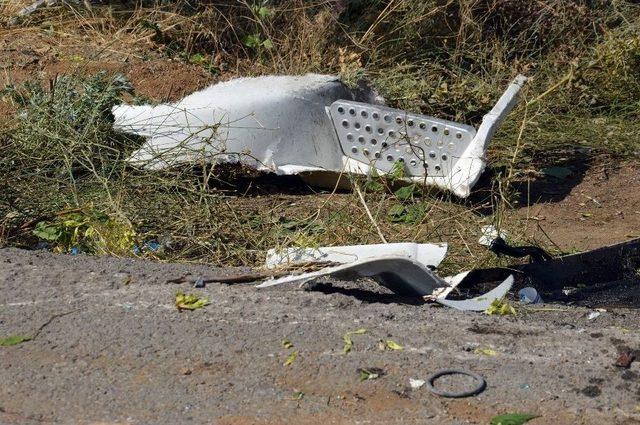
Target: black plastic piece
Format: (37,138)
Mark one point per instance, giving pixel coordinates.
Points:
(500,247)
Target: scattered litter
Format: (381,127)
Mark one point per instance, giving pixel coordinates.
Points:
(307,124)
(593,315)
(297,396)
(483,302)
(190,302)
(416,383)
(480,386)
(370,373)
(489,233)
(625,359)
(512,419)
(287,344)
(348,342)
(486,351)
(14,340)
(291,358)
(393,345)
(402,275)
(430,255)
(199,283)
(529,295)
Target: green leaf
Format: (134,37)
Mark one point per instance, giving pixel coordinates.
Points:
(398,171)
(393,345)
(397,212)
(190,302)
(267,44)
(290,358)
(406,193)
(263,12)
(252,40)
(47,231)
(14,340)
(366,374)
(512,419)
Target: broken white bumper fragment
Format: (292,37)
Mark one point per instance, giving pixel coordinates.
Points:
(405,268)
(312,123)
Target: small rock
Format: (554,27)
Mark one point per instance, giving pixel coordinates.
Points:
(185,371)
(625,359)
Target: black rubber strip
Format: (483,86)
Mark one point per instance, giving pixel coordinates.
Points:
(482,384)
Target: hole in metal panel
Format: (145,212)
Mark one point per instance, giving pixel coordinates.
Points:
(399,120)
(434,129)
(384,144)
(354,149)
(352,111)
(410,123)
(367,128)
(361,139)
(446,131)
(377,154)
(357,125)
(349,136)
(387,118)
(341,109)
(375,116)
(422,126)
(389,158)
(432,154)
(381,131)
(437,167)
(364,114)
(345,124)
(444,157)
(458,135)
(374,142)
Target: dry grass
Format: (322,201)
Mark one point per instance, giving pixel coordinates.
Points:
(447,58)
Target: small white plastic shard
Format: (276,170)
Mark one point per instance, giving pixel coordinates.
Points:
(430,255)
(482,302)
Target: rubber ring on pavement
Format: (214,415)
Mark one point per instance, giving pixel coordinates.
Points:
(482,384)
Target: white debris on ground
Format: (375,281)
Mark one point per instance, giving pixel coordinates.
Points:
(311,125)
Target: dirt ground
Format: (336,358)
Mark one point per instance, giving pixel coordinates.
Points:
(113,349)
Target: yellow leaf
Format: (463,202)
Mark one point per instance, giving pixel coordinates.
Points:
(486,351)
(190,302)
(393,345)
(348,343)
(290,359)
(287,344)
(500,307)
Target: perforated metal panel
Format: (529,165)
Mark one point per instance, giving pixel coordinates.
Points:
(381,137)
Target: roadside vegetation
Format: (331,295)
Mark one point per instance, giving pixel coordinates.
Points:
(66,183)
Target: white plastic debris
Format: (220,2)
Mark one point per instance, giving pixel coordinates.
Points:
(416,383)
(402,275)
(593,315)
(310,124)
(405,268)
(489,233)
(430,255)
